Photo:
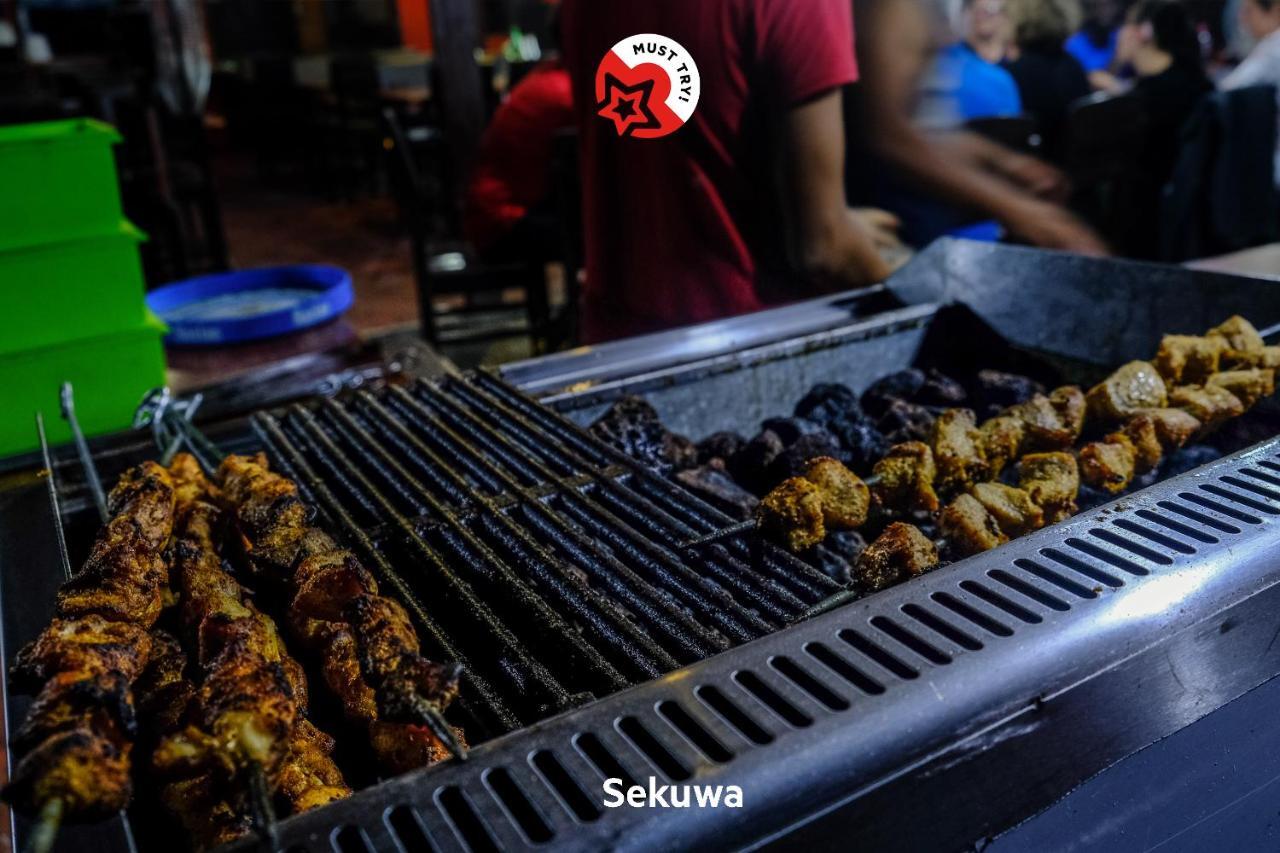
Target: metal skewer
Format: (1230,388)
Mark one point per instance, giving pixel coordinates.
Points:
(67,398)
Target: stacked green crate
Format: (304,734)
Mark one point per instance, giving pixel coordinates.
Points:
(71,286)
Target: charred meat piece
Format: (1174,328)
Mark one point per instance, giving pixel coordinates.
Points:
(1052,480)
(1239,334)
(1267,358)
(1189,359)
(87,770)
(900,553)
(1135,386)
(792,514)
(905,478)
(997,391)
(957,451)
(1013,509)
(309,778)
(904,421)
(901,386)
(1109,464)
(720,445)
(1069,402)
(845,498)
(1043,428)
(1174,427)
(1212,405)
(1248,386)
(1001,439)
(969,528)
(714,485)
(268,511)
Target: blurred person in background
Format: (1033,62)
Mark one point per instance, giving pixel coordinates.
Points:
(897,42)
(1049,78)
(1094,43)
(1260,19)
(742,207)
(1159,42)
(985,28)
(966,76)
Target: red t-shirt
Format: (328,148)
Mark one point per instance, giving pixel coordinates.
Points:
(686,228)
(513,166)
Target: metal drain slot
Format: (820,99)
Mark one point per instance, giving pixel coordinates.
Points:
(1258,475)
(517,805)
(841,667)
(572,797)
(1080,566)
(1050,576)
(653,749)
(998,601)
(1219,508)
(1122,563)
(771,699)
(459,812)
(941,627)
(972,614)
(1132,547)
(1027,590)
(707,743)
(816,690)
(877,654)
(351,839)
(406,827)
(1168,524)
(1207,521)
(894,631)
(1257,490)
(604,761)
(733,716)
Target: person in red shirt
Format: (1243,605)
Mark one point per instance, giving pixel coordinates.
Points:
(744,205)
(504,215)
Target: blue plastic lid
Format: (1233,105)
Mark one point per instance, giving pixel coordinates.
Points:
(251,304)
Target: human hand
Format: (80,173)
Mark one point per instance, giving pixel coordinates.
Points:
(880,225)
(1052,227)
(1035,176)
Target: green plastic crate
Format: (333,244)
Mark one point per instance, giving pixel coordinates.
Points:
(58,181)
(70,290)
(110,373)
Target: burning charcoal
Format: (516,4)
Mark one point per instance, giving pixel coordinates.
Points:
(791,430)
(997,391)
(863,446)
(632,426)
(1188,458)
(720,445)
(903,385)
(828,562)
(904,421)
(830,402)
(749,465)
(793,461)
(847,544)
(714,485)
(1090,498)
(940,390)
(680,452)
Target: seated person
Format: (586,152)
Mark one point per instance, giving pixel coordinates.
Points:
(1049,78)
(966,83)
(1159,42)
(506,216)
(1261,20)
(1094,44)
(984,28)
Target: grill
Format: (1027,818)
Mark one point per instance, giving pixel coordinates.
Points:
(931,715)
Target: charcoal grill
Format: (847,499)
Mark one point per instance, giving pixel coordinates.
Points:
(935,714)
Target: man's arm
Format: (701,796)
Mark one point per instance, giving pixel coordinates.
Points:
(826,239)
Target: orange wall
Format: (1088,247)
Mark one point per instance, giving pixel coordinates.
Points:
(415,23)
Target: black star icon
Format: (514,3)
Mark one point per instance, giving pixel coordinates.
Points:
(627,106)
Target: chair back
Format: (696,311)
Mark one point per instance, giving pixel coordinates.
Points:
(1105,136)
(1019,133)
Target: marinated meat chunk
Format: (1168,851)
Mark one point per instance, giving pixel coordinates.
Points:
(1109,464)
(903,385)
(1135,386)
(904,421)
(1001,439)
(1174,427)
(899,553)
(905,478)
(1052,480)
(1212,405)
(845,498)
(1249,386)
(1043,423)
(792,513)
(969,528)
(713,484)
(719,445)
(957,451)
(1239,334)
(997,391)
(1141,432)
(1267,357)
(1013,509)
(1189,358)
(1068,401)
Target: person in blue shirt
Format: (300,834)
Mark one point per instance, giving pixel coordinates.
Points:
(1094,44)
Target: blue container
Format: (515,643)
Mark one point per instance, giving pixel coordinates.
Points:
(251,304)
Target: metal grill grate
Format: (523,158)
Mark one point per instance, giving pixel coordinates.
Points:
(540,560)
